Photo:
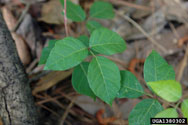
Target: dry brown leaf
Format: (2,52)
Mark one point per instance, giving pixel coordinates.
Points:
(50,80)
(21,45)
(182,40)
(52,12)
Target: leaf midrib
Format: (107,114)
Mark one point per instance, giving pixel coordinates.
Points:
(102,76)
(63,57)
(148,110)
(106,44)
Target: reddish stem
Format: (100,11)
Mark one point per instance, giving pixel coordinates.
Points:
(65,17)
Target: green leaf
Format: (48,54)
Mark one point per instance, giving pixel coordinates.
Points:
(46,51)
(102,10)
(104,78)
(156,68)
(143,111)
(184,108)
(130,86)
(107,42)
(84,39)
(66,54)
(80,81)
(92,25)
(169,90)
(74,11)
(167,113)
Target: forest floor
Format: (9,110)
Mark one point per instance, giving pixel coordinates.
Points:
(144,24)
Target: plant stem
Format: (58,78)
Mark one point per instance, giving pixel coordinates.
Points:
(92,53)
(177,104)
(65,17)
(148,94)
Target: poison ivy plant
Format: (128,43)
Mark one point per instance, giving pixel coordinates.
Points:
(101,77)
(66,54)
(74,12)
(92,25)
(143,111)
(104,78)
(169,90)
(80,80)
(46,51)
(130,86)
(84,39)
(184,108)
(106,42)
(156,68)
(103,10)
(167,113)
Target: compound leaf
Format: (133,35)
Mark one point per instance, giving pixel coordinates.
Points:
(156,68)
(143,111)
(102,10)
(104,78)
(80,81)
(130,86)
(107,42)
(167,113)
(169,90)
(74,11)
(66,54)
(184,108)
(92,25)
(46,51)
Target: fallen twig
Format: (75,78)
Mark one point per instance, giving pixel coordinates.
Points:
(142,31)
(67,111)
(183,64)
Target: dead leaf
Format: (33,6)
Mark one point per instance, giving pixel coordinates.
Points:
(21,45)
(50,80)
(52,12)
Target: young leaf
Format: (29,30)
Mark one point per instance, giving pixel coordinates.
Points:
(74,11)
(46,51)
(104,78)
(156,68)
(107,42)
(66,54)
(130,86)
(84,39)
(80,81)
(167,113)
(143,111)
(92,25)
(184,108)
(169,90)
(103,10)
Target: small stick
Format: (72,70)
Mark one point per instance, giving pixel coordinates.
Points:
(183,64)
(26,9)
(142,31)
(67,111)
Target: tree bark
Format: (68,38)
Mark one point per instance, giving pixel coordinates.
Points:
(16,101)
